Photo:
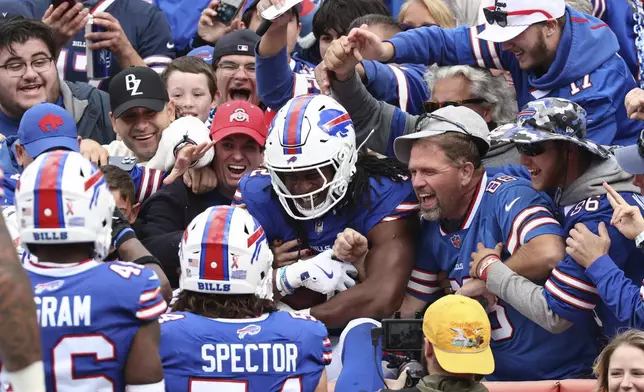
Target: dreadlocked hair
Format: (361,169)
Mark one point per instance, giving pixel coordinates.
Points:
(239,306)
(369,166)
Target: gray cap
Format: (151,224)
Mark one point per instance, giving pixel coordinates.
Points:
(474,125)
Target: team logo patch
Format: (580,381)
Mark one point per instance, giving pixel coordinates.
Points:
(526,113)
(49,286)
(249,330)
(456,241)
(239,115)
(335,123)
(292,159)
(50,122)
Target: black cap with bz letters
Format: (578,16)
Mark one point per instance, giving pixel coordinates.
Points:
(136,87)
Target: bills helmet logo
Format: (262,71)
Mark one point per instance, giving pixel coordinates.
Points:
(456,241)
(49,286)
(249,330)
(335,122)
(292,159)
(50,122)
(526,114)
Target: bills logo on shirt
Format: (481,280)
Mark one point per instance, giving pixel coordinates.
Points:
(335,123)
(249,330)
(49,286)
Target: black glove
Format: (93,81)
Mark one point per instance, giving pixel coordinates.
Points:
(121,229)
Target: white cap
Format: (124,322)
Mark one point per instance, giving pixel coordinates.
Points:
(520,14)
(469,123)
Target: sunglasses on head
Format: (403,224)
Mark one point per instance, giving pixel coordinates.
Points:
(425,118)
(493,15)
(431,106)
(531,150)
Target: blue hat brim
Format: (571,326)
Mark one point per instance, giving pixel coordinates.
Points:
(41,145)
(630,160)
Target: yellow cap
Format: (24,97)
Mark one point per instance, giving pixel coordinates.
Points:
(459,330)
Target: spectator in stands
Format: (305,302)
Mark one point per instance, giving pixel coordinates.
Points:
(466,86)
(619,366)
(29,77)
(450,365)
(121,185)
(419,13)
(191,86)
(137,34)
(550,50)
(550,136)
(239,133)
(234,64)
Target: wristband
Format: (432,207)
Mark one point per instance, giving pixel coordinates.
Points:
(639,240)
(149,259)
(485,263)
(125,235)
(282,283)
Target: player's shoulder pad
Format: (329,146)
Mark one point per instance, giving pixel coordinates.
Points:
(123,163)
(382,185)
(256,184)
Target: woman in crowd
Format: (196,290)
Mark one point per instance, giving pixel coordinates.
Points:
(419,13)
(620,366)
(191,86)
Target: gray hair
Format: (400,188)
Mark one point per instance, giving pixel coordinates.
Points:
(583,6)
(494,90)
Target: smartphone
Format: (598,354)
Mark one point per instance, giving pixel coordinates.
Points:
(56,3)
(227,10)
(402,334)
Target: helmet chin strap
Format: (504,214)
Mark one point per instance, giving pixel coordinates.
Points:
(365,140)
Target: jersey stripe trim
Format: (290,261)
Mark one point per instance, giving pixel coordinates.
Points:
(424,275)
(421,289)
(574,282)
(476,49)
(149,295)
(152,311)
(567,298)
(491,46)
(517,223)
(403,89)
(535,223)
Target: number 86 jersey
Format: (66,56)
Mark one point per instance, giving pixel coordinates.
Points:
(88,314)
(507,210)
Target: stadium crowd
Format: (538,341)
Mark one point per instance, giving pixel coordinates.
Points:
(321,195)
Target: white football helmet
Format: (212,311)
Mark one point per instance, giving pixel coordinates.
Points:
(309,133)
(224,251)
(62,198)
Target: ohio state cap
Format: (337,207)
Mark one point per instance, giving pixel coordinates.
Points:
(239,118)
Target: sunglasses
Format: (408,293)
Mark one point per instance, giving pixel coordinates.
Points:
(640,144)
(425,118)
(431,106)
(531,150)
(492,15)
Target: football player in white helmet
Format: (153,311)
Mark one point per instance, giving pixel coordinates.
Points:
(107,311)
(225,333)
(317,184)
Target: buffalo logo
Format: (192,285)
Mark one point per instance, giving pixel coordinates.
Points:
(249,330)
(456,241)
(49,286)
(239,115)
(526,114)
(292,159)
(50,122)
(335,123)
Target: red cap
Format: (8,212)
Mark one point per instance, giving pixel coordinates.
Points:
(239,118)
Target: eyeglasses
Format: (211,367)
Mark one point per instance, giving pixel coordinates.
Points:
(17,69)
(531,150)
(407,26)
(431,106)
(230,67)
(425,118)
(493,15)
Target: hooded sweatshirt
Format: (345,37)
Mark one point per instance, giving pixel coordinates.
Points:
(586,69)
(439,383)
(570,294)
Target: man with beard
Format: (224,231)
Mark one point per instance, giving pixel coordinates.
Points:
(549,48)
(550,136)
(463,204)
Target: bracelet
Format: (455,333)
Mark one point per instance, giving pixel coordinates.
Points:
(283,286)
(639,240)
(485,263)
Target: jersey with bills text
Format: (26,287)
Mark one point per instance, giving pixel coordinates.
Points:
(569,290)
(280,351)
(504,209)
(389,201)
(89,314)
(145,26)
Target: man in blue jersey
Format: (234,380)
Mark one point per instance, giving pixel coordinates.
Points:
(550,136)
(549,48)
(463,204)
(316,185)
(237,338)
(91,341)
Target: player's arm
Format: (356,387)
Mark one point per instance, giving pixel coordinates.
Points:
(424,283)
(143,369)
(537,258)
(323,384)
(19,331)
(388,266)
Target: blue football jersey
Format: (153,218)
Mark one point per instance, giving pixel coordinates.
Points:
(570,291)
(145,26)
(389,201)
(505,209)
(280,351)
(88,314)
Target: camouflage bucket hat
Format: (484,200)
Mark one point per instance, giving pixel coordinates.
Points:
(549,119)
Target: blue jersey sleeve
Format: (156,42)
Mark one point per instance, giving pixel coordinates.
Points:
(423,283)
(389,202)
(619,294)
(401,86)
(154,44)
(316,341)
(277,83)
(522,212)
(146,181)
(151,303)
